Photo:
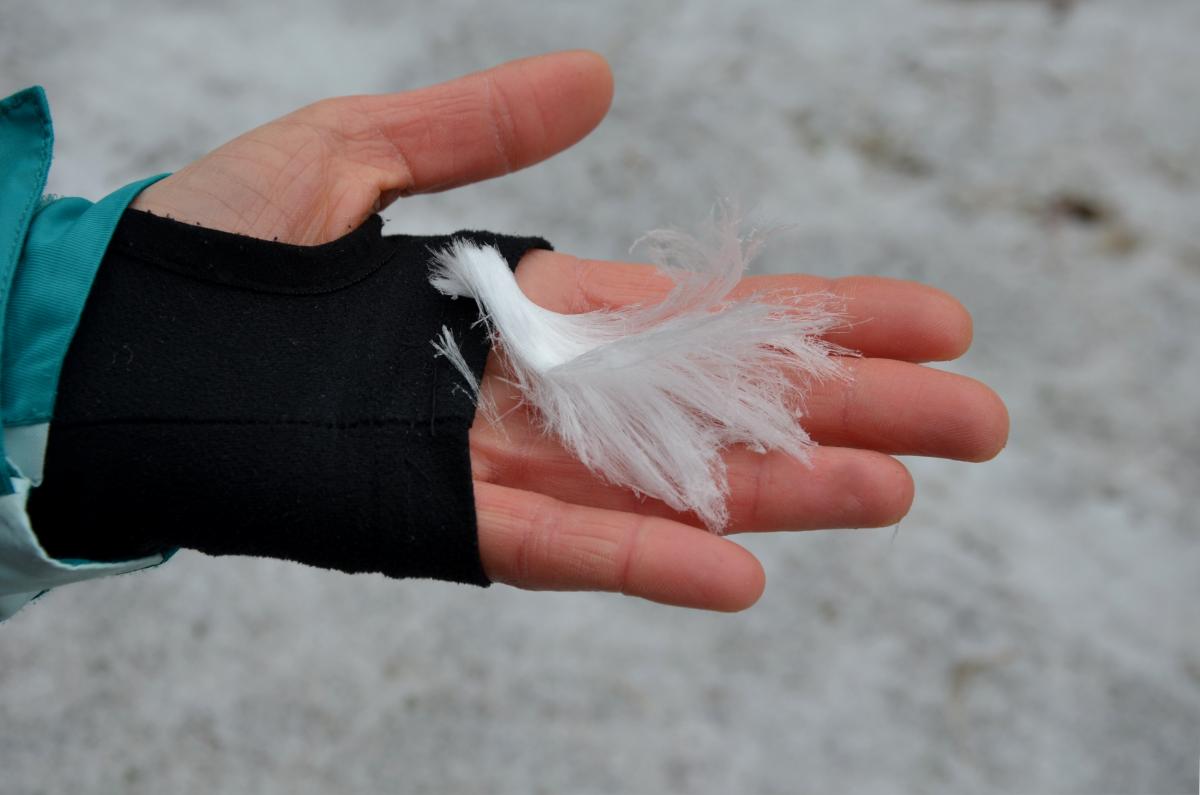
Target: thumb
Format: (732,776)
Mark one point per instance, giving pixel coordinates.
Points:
(308,177)
(489,123)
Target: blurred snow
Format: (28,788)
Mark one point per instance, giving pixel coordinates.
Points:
(1033,626)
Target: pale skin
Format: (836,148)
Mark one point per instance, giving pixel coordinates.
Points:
(544,521)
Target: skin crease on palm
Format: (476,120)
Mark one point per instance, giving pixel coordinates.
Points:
(544,521)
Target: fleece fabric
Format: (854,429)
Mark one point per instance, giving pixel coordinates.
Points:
(246,397)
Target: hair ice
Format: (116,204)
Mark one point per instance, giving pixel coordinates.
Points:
(648,397)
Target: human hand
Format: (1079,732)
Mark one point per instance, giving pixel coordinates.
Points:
(544,521)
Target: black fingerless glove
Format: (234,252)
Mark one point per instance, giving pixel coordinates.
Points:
(242,397)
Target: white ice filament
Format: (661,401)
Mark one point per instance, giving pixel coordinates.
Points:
(648,397)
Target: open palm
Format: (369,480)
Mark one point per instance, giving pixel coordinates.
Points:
(544,520)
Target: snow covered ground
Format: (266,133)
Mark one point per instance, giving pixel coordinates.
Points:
(1034,624)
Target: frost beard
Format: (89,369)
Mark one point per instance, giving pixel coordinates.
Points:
(648,397)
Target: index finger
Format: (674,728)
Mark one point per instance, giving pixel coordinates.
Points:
(885,318)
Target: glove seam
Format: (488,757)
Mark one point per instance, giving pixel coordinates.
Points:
(378,254)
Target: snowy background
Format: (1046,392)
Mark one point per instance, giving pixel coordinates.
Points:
(1032,627)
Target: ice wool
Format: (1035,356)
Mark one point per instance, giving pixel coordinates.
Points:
(649,396)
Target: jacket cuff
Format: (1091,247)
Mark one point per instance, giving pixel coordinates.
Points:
(26,571)
(50,250)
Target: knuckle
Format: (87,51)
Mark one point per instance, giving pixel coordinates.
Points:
(542,525)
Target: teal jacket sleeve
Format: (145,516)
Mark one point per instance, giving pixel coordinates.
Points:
(50,249)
